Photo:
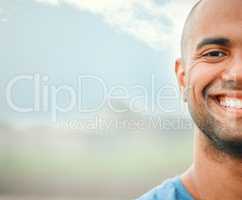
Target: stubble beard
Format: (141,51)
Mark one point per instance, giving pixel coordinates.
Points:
(215,131)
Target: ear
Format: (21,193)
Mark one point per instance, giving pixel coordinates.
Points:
(181,76)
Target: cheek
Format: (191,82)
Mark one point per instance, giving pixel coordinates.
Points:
(200,76)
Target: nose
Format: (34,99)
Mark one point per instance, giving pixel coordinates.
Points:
(234,71)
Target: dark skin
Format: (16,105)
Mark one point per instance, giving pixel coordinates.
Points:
(211,70)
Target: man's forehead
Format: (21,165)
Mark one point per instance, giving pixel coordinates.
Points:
(211,11)
(217,19)
(210,19)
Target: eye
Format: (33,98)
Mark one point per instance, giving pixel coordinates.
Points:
(215,54)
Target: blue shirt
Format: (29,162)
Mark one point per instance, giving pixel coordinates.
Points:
(171,189)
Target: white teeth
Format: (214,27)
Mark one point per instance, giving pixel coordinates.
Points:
(231,102)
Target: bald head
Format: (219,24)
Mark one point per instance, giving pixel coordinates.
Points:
(188,28)
(204,19)
(211,71)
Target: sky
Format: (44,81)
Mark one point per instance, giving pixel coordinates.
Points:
(122,42)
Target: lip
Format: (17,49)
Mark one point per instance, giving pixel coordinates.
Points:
(230,94)
(227,111)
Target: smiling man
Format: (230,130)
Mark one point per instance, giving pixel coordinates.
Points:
(210,77)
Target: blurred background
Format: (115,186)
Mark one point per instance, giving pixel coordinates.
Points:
(90,107)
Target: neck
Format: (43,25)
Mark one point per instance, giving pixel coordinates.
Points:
(213,175)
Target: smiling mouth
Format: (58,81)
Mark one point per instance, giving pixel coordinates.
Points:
(230,105)
(228,102)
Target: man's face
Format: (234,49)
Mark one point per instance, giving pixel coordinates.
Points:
(213,73)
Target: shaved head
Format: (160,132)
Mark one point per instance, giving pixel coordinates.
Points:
(210,71)
(195,18)
(188,28)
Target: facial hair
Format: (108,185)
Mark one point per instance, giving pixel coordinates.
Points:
(214,130)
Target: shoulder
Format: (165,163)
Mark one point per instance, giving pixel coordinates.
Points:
(171,189)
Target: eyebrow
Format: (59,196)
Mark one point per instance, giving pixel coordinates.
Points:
(214,41)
